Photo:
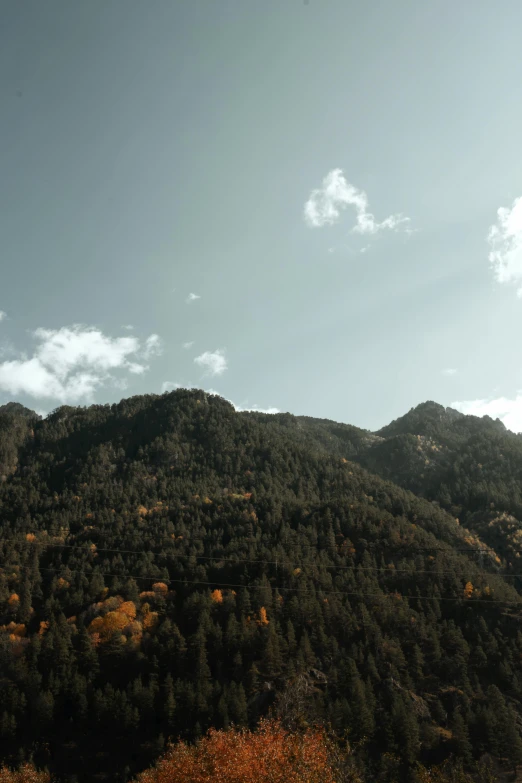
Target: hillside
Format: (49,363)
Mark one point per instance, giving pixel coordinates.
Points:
(469,466)
(168,564)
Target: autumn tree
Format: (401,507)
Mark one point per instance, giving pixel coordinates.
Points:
(268,755)
(27,773)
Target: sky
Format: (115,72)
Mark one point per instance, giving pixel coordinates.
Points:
(311,206)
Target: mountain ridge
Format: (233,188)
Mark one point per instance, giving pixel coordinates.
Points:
(168,564)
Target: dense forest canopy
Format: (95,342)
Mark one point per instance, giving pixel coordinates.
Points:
(168,565)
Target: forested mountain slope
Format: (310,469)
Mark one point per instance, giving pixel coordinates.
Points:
(168,564)
(471,466)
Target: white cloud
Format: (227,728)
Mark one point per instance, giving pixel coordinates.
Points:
(449,371)
(129,327)
(136,369)
(509,411)
(66,348)
(192,298)
(505,240)
(70,363)
(325,203)
(153,346)
(256,408)
(170,386)
(214,363)
(186,346)
(118,383)
(7,349)
(2,315)
(241,409)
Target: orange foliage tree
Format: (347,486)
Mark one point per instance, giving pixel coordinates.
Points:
(268,755)
(26,774)
(217,596)
(263,619)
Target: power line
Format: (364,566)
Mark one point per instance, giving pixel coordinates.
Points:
(320,591)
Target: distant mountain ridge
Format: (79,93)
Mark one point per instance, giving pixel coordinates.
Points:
(471,466)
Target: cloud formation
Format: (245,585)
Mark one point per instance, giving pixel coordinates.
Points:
(2,315)
(255,408)
(6,349)
(186,346)
(167,386)
(240,409)
(509,411)
(70,363)
(153,347)
(325,204)
(192,298)
(449,371)
(214,363)
(505,241)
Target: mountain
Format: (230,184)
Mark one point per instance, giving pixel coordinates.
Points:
(467,465)
(15,424)
(431,419)
(168,564)
(470,466)
(15,409)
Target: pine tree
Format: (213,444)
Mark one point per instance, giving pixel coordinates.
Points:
(503,736)
(460,737)
(271,662)
(169,703)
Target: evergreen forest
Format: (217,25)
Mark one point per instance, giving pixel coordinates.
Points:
(170,566)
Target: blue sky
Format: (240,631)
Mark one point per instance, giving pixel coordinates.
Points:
(293,204)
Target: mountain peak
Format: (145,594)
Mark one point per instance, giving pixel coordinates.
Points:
(425,419)
(17,409)
(430,418)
